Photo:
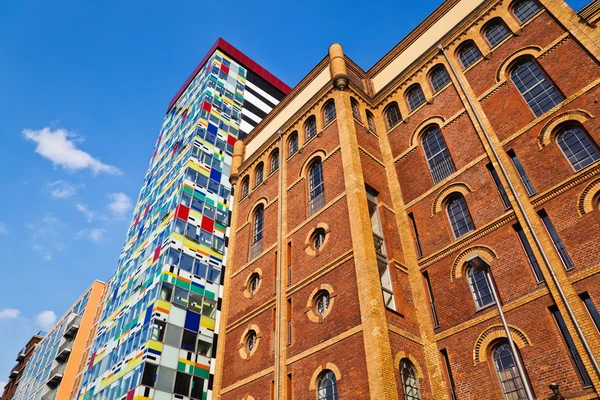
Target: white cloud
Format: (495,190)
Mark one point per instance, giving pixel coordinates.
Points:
(61,189)
(94,234)
(120,204)
(89,214)
(46,319)
(9,313)
(2,384)
(59,146)
(3,229)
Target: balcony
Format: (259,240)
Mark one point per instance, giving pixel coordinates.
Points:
(50,395)
(22,354)
(72,325)
(442,169)
(64,351)
(14,373)
(255,249)
(56,375)
(316,203)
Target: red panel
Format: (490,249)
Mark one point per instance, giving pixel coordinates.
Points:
(182,212)
(225,68)
(208,224)
(92,358)
(147,209)
(206,105)
(231,140)
(156,253)
(130,394)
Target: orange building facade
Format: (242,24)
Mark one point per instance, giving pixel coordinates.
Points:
(429,228)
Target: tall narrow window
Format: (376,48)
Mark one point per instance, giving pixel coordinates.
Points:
(438,156)
(469,54)
(410,384)
(519,167)
(439,78)
(539,93)
(274,159)
(591,307)
(327,386)
(370,121)
(577,147)
(416,232)
(480,287)
(499,186)
(525,9)
(259,174)
(495,31)
(293,143)
(434,314)
(537,272)
(572,350)
(448,369)
(460,219)
(558,244)
(310,128)
(289,321)
(257,232)
(355,109)
(245,186)
(392,115)
(414,97)
(316,188)
(328,112)
(508,374)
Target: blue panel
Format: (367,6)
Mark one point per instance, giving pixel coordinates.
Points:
(148,314)
(213,128)
(216,175)
(192,321)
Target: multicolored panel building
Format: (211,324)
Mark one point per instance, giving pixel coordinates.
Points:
(157,335)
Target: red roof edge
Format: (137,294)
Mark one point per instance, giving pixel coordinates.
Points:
(242,59)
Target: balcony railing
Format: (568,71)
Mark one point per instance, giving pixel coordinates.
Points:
(56,375)
(379,245)
(255,249)
(316,203)
(64,351)
(13,374)
(72,325)
(50,395)
(442,170)
(22,354)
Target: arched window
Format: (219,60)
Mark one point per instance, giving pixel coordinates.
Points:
(410,384)
(439,78)
(415,96)
(245,186)
(355,109)
(438,156)
(525,9)
(274,159)
(370,121)
(322,301)
(316,188)
(392,115)
(250,341)
(480,287)
(257,232)
(310,128)
(468,54)
(259,174)
(327,386)
(536,89)
(495,31)
(459,216)
(508,374)
(576,146)
(293,143)
(328,112)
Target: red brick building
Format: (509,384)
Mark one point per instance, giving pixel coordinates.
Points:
(429,228)
(15,374)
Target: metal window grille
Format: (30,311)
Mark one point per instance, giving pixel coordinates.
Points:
(439,78)
(526,9)
(415,97)
(438,156)
(410,384)
(496,31)
(508,374)
(310,129)
(539,93)
(469,54)
(392,116)
(480,286)
(577,147)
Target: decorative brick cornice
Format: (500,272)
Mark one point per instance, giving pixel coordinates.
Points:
(485,251)
(455,187)
(495,332)
(405,154)
(494,90)
(573,181)
(586,199)
(371,156)
(554,46)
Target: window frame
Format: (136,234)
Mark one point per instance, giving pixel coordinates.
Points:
(505,346)
(371,121)
(569,127)
(292,140)
(521,22)
(476,289)
(415,97)
(324,376)
(245,186)
(329,112)
(355,109)
(259,174)
(274,161)
(462,48)
(486,31)
(310,128)
(407,365)
(397,118)
(432,72)
(540,83)
(435,167)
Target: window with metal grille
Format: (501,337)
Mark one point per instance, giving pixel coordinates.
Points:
(525,9)
(310,128)
(539,93)
(460,219)
(293,143)
(439,78)
(496,31)
(576,146)
(355,109)
(438,156)
(370,121)
(274,160)
(259,174)
(316,198)
(480,287)
(410,384)
(328,112)
(468,54)
(415,97)
(327,386)
(392,115)
(508,374)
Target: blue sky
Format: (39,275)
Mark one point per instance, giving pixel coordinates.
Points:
(84,89)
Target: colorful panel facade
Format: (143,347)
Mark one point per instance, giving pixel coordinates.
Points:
(157,335)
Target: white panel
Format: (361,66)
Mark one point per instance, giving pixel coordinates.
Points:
(257,102)
(262,92)
(246,127)
(251,115)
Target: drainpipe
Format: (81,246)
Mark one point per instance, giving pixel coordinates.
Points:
(279,262)
(480,263)
(527,220)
